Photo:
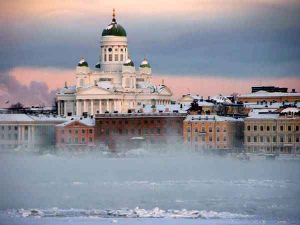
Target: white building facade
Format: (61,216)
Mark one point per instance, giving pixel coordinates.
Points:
(115,85)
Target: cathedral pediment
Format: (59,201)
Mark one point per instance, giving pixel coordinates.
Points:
(94,90)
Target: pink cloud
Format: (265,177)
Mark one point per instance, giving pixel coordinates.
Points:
(205,85)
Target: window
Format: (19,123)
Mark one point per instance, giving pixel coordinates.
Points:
(70,131)
(218,129)
(274,139)
(248,139)
(248,127)
(224,139)
(145,121)
(158,130)
(83,140)
(224,130)
(210,138)
(218,138)
(110,57)
(76,131)
(203,129)
(261,139)
(297,128)
(255,139)
(268,139)
(297,139)
(83,131)
(281,128)
(90,131)
(196,130)
(105,59)
(268,128)
(274,128)
(210,129)
(121,57)
(76,140)
(289,139)
(261,128)
(255,127)
(16,128)
(188,129)
(289,128)
(116,57)
(110,49)
(281,139)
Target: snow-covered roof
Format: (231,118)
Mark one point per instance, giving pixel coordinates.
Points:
(67,90)
(259,111)
(263,116)
(221,99)
(290,110)
(165,108)
(204,118)
(270,94)
(30,118)
(86,121)
(105,84)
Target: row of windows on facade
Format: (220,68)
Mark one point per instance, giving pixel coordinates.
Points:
(285,149)
(133,131)
(11,137)
(109,58)
(76,140)
(271,139)
(205,146)
(210,139)
(116,49)
(11,128)
(139,122)
(210,129)
(76,131)
(268,128)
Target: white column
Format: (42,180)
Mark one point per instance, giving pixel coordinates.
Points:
(84,106)
(92,107)
(107,104)
(58,107)
(100,106)
(115,105)
(77,108)
(65,108)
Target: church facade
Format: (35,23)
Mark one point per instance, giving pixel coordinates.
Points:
(114,85)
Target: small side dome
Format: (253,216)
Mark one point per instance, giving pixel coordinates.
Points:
(128,62)
(83,63)
(145,63)
(98,65)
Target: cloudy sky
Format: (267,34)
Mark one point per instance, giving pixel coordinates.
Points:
(204,47)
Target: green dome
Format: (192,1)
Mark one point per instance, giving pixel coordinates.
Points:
(82,63)
(114,29)
(128,62)
(145,63)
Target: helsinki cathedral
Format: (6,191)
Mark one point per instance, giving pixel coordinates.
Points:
(114,85)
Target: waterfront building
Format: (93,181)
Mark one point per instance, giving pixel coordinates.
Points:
(114,85)
(270,97)
(155,129)
(27,131)
(76,134)
(273,132)
(213,132)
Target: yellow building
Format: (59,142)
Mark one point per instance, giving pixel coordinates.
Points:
(273,133)
(213,132)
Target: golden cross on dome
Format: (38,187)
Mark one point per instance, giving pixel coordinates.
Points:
(114,13)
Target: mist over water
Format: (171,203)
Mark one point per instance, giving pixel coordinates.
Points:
(268,189)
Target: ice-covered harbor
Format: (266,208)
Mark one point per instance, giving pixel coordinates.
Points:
(154,189)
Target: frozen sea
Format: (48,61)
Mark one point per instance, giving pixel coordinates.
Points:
(149,189)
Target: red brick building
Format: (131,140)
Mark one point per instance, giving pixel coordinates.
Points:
(156,129)
(76,134)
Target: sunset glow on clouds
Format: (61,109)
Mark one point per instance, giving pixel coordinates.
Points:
(205,47)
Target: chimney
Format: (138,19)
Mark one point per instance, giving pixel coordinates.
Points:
(293,90)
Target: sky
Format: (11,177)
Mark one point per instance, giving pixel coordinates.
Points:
(204,47)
